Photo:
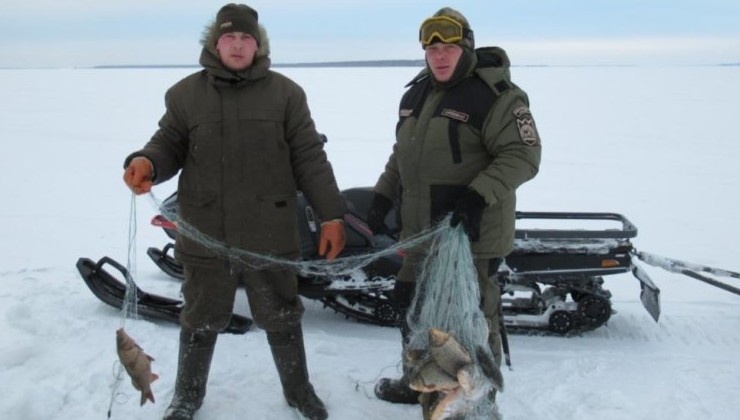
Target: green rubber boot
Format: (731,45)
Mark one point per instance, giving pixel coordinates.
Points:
(289,355)
(194,363)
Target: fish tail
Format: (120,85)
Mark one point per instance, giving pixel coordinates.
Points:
(147,396)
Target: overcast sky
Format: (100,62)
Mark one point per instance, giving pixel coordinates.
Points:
(82,33)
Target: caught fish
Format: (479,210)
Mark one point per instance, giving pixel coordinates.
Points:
(137,364)
(431,377)
(451,405)
(449,354)
(466,378)
(456,402)
(449,369)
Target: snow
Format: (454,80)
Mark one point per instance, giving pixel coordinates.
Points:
(657,144)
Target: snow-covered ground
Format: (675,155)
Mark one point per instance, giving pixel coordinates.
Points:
(657,144)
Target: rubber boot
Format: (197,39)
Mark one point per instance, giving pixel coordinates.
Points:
(196,352)
(397,391)
(289,355)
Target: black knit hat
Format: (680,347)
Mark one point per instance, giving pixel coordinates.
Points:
(237,18)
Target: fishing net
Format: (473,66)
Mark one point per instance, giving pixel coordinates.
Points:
(341,266)
(129,307)
(448,298)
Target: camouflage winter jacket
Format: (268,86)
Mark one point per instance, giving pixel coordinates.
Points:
(473,132)
(245,143)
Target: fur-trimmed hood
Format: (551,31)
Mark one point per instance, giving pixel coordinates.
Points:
(208,40)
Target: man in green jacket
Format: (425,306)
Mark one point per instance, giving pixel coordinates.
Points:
(244,141)
(465,141)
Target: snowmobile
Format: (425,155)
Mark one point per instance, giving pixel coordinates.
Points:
(553,281)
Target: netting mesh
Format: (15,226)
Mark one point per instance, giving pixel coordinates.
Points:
(448,298)
(320,267)
(447,294)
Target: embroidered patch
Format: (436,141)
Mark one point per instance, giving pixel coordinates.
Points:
(455,115)
(405,112)
(527,131)
(226,25)
(521,111)
(525,123)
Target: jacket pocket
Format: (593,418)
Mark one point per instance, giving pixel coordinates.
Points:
(275,230)
(204,134)
(198,210)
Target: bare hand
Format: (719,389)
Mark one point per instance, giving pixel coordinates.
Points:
(138,175)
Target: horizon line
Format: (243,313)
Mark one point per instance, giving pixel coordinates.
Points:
(365,63)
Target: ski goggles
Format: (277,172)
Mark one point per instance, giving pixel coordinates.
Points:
(444,29)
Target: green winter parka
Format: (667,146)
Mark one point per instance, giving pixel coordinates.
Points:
(474,132)
(246,143)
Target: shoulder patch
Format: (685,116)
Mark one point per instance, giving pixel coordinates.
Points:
(405,112)
(521,111)
(527,129)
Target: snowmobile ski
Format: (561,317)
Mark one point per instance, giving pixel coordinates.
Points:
(112,291)
(166,261)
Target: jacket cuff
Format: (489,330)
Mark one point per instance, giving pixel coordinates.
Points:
(332,221)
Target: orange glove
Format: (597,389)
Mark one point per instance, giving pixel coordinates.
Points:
(332,238)
(138,175)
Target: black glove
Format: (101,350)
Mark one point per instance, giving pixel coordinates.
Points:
(379,209)
(469,211)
